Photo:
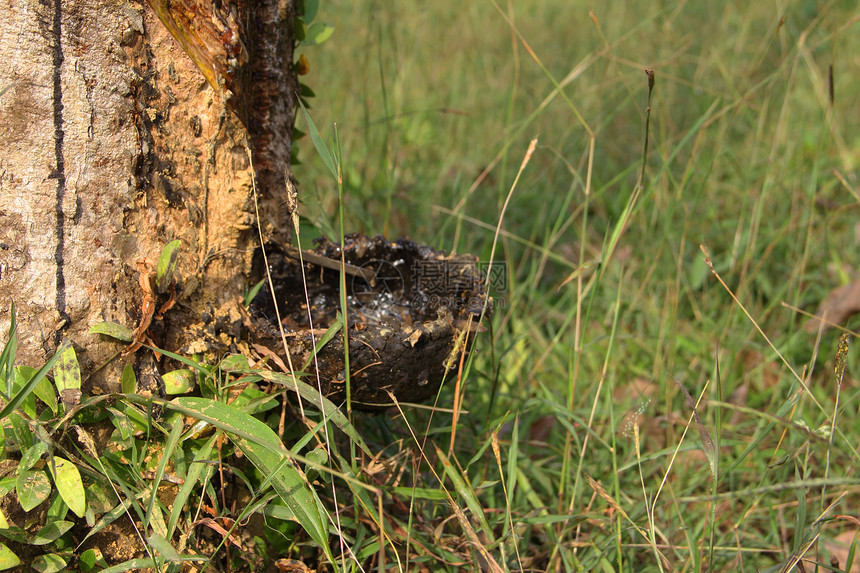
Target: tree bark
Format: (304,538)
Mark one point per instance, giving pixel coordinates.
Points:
(114,141)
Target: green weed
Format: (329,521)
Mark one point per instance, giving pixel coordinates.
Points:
(644,398)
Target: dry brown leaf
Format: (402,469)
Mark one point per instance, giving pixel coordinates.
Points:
(639,387)
(840,304)
(292,566)
(541,428)
(215,526)
(840,545)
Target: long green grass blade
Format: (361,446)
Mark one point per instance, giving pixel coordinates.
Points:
(166,455)
(7,356)
(164,548)
(318,142)
(142,563)
(325,405)
(31,384)
(262,446)
(195,474)
(467,493)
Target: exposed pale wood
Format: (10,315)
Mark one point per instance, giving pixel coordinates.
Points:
(105,132)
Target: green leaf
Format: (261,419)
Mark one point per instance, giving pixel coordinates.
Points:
(466,492)
(164,548)
(319,144)
(234,363)
(90,559)
(252,294)
(194,474)
(254,401)
(167,266)
(7,484)
(179,381)
(320,457)
(28,405)
(330,333)
(4,524)
(17,534)
(166,455)
(7,558)
(140,419)
(259,443)
(121,422)
(183,359)
(139,563)
(849,560)
(7,357)
(22,432)
(325,405)
(548,519)
(50,563)
(419,493)
(279,512)
(113,330)
(69,484)
(33,487)
(44,390)
(311,9)
(299,30)
(129,380)
(145,563)
(100,497)
(305,91)
(32,455)
(28,387)
(156,518)
(67,372)
(51,532)
(317,33)
(57,509)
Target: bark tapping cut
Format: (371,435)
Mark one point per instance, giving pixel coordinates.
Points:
(244,49)
(60,173)
(411,312)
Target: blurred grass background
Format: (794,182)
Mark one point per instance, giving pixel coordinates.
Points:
(608,296)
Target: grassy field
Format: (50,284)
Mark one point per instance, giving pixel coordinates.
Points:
(580,449)
(665,191)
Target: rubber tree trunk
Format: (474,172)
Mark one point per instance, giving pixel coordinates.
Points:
(124,127)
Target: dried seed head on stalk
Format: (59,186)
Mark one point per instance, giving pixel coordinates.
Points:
(629,424)
(707,443)
(292,203)
(841,357)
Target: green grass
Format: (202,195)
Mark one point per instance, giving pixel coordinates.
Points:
(629,408)
(608,296)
